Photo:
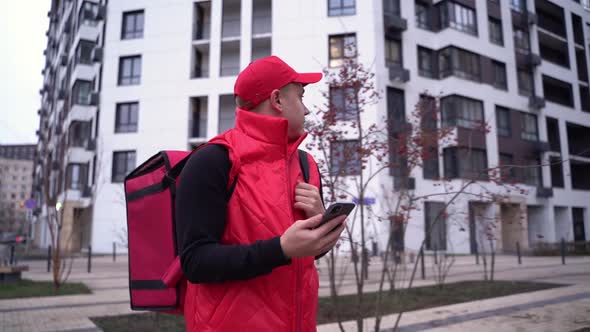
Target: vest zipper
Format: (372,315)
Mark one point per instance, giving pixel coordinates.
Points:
(297,261)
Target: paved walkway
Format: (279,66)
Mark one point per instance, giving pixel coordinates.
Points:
(559,309)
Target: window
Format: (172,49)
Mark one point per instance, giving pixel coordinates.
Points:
(465,163)
(425,62)
(393,53)
(460,63)
(503,121)
(556,172)
(435,226)
(529,127)
(79,133)
(422,16)
(341,7)
(495,29)
(558,91)
(463,112)
(458,17)
(132,25)
(507,169)
(76,176)
(227,113)
(342,47)
(82,90)
(391,7)
(522,42)
(344,158)
(345,104)
(84,52)
(518,5)
(126,117)
(525,83)
(499,72)
(130,70)
(532,172)
(123,164)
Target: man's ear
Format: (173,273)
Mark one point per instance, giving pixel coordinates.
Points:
(275,101)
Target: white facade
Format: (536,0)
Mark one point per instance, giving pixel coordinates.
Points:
(232,37)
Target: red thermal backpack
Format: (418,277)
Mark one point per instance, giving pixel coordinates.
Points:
(156,280)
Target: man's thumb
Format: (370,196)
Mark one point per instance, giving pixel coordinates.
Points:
(312,222)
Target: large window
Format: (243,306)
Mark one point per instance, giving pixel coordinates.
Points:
(465,163)
(391,7)
(126,117)
(88,13)
(503,121)
(529,131)
(522,42)
(132,25)
(495,29)
(422,16)
(532,172)
(345,159)
(82,90)
(342,47)
(507,168)
(435,226)
(425,67)
(341,7)
(460,63)
(393,53)
(76,176)
(84,52)
(123,164)
(79,133)
(499,72)
(525,82)
(458,17)
(463,112)
(130,70)
(344,102)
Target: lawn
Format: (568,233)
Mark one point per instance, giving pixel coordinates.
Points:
(413,299)
(29,288)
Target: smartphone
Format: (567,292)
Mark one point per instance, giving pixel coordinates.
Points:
(335,210)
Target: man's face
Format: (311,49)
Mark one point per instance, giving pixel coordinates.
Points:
(293,109)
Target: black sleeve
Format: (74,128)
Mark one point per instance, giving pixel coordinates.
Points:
(201,203)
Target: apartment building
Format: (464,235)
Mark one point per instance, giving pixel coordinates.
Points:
(16,181)
(124,80)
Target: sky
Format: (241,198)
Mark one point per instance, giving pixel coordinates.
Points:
(22,35)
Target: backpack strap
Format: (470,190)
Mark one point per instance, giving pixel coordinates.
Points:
(304,163)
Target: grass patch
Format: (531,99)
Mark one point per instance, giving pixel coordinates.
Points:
(412,299)
(424,298)
(28,288)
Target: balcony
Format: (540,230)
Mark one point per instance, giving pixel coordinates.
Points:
(533,60)
(399,74)
(536,102)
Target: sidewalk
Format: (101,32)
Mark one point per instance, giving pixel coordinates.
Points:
(560,309)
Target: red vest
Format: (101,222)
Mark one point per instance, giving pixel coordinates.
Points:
(261,207)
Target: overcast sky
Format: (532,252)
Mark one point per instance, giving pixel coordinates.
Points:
(22,33)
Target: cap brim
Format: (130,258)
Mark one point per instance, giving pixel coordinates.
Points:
(307,78)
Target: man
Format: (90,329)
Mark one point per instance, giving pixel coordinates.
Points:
(246,220)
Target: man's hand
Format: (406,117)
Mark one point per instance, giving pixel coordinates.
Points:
(303,239)
(307,199)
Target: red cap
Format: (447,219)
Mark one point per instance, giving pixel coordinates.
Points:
(255,83)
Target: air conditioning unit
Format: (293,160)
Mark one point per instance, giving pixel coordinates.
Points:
(63,60)
(544,192)
(536,102)
(68,27)
(97,54)
(91,146)
(61,94)
(94,98)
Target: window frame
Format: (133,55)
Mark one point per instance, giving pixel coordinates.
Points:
(341,9)
(496,34)
(499,75)
(134,78)
(439,232)
(348,169)
(529,121)
(137,31)
(129,108)
(339,41)
(128,159)
(347,97)
(501,130)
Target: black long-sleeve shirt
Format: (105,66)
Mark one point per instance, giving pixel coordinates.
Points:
(201,204)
